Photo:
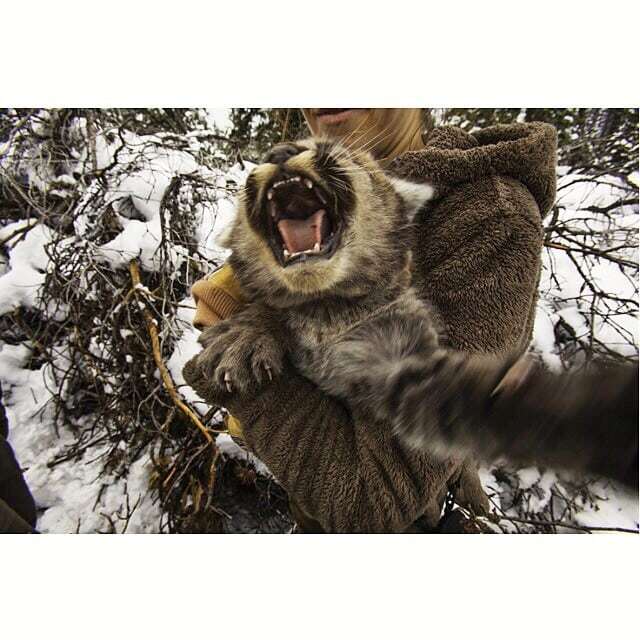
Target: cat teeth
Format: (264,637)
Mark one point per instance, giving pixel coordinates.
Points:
(306,181)
(320,196)
(281,182)
(317,248)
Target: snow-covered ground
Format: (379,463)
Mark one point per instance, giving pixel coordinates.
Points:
(77,496)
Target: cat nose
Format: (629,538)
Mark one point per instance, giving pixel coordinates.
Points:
(282,152)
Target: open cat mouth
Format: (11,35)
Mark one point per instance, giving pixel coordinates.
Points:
(303,225)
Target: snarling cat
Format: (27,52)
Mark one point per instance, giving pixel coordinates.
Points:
(321,246)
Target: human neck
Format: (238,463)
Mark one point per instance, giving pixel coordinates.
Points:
(408,139)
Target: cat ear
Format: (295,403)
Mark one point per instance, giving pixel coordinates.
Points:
(413,194)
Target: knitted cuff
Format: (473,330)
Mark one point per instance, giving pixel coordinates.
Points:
(213,304)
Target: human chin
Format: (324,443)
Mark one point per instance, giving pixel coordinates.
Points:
(340,121)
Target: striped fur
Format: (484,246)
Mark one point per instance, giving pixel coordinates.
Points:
(353,325)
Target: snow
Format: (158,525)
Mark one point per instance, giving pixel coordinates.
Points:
(220,119)
(27,266)
(72,496)
(138,240)
(562,288)
(543,335)
(618,509)
(186,347)
(230,448)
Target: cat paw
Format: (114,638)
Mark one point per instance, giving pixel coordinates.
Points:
(236,358)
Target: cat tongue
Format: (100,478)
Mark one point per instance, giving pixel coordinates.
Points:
(302,235)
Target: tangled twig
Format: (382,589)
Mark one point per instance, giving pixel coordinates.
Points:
(164,373)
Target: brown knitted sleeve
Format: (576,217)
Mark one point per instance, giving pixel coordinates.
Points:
(481,269)
(347,475)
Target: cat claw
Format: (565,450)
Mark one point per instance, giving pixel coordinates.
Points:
(227,381)
(269,373)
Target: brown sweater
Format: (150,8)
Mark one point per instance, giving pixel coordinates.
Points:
(477,258)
